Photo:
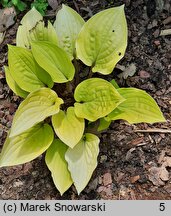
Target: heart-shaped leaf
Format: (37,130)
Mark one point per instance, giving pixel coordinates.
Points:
(41,32)
(68,127)
(26,146)
(95,98)
(103,40)
(68,24)
(13,85)
(28,22)
(138,107)
(82,160)
(55,160)
(54,60)
(25,71)
(34,109)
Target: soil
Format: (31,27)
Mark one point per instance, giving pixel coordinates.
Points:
(131,164)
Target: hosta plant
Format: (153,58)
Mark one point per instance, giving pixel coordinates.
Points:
(63,111)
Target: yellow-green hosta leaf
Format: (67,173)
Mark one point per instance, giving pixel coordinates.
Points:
(103,40)
(54,60)
(138,107)
(68,24)
(13,85)
(35,108)
(55,160)
(41,32)
(28,22)
(114,83)
(26,146)
(95,98)
(25,71)
(68,127)
(82,160)
(103,125)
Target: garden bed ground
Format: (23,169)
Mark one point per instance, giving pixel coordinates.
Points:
(131,164)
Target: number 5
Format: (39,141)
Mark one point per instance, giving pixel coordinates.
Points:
(162,206)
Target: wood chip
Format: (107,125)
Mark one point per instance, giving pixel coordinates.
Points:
(167,20)
(165,32)
(134,179)
(164,174)
(107,179)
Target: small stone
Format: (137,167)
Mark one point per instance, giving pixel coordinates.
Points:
(144,74)
(157,42)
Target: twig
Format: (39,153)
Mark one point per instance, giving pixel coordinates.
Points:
(142,144)
(153,130)
(165,32)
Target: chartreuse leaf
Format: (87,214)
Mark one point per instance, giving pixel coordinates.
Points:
(26,146)
(43,33)
(102,41)
(13,85)
(68,24)
(138,107)
(34,109)
(68,127)
(54,60)
(28,22)
(95,98)
(114,83)
(25,71)
(82,160)
(103,125)
(55,160)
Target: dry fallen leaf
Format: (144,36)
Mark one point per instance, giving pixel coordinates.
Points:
(7,18)
(130,70)
(164,174)
(157,175)
(154,176)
